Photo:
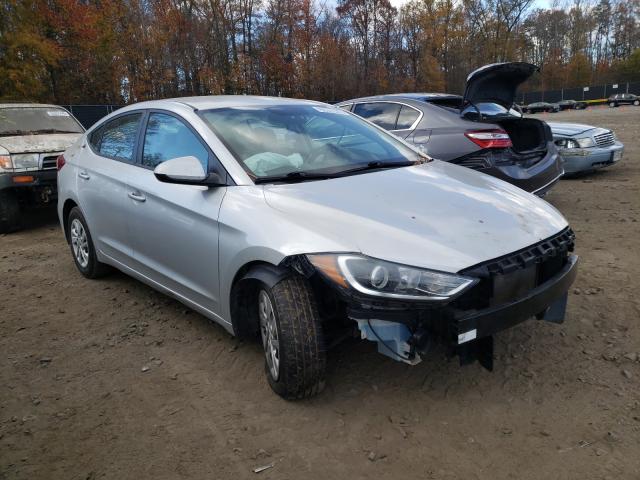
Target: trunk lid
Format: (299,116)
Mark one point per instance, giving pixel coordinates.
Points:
(497,83)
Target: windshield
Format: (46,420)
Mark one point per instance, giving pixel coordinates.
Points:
(36,120)
(304,140)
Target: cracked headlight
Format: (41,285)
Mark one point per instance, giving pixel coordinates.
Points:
(586,142)
(25,161)
(379,278)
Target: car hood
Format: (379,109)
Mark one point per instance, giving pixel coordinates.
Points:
(38,143)
(568,129)
(436,215)
(497,83)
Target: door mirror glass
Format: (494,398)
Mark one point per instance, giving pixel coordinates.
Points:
(185,170)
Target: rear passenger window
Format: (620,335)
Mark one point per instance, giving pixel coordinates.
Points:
(117,138)
(407,117)
(382,114)
(166,138)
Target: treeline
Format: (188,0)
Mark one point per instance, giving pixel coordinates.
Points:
(120,51)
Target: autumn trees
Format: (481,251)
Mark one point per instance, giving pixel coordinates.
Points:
(119,51)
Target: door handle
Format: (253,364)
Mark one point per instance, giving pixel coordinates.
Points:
(138,197)
(84,175)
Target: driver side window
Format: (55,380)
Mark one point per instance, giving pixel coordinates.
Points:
(166,137)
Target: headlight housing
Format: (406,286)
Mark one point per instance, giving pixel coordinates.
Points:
(5,163)
(25,161)
(379,278)
(586,142)
(567,143)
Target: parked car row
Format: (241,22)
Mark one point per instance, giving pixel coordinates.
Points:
(623,99)
(553,107)
(301,223)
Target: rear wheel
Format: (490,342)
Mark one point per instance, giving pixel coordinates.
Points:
(9,212)
(636,102)
(612,104)
(292,338)
(82,248)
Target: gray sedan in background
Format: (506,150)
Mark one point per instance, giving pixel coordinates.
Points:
(479,130)
(585,148)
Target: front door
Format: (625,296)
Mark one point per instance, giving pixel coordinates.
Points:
(174,228)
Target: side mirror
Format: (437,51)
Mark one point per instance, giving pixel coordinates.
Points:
(186,171)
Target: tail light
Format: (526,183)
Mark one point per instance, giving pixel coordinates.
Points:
(489,138)
(60,161)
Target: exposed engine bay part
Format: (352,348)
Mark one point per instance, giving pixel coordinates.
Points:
(392,339)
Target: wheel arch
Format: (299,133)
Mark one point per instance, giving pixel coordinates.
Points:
(69,204)
(244,290)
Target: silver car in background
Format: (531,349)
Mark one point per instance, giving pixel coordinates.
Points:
(302,224)
(585,148)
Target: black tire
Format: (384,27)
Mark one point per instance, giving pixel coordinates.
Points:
(301,352)
(9,212)
(93,268)
(612,104)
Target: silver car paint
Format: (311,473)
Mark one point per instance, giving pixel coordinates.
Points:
(182,239)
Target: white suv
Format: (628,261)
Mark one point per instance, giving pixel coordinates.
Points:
(32,136)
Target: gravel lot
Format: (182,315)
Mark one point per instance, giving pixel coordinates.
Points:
(109,379)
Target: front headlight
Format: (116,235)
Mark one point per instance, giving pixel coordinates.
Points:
(25,161)
(567,143)
(379,278)
(586,142)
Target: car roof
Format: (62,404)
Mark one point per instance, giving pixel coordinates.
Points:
(219,101)
(28,105)
(407,96)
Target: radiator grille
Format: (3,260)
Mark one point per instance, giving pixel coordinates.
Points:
(604,139)
(49,162)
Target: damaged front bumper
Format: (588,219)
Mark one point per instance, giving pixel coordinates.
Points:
(529,283)
(577,160)
(406,334)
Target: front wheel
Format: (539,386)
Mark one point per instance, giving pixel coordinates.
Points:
(636,102)
(292,338)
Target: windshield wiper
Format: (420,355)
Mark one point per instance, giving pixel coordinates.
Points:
(377,165)
(292,177)
(302,176)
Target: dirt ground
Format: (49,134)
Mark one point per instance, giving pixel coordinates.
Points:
(109,379)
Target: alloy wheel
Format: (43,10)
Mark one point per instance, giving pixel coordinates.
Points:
(269,333)
(80,243)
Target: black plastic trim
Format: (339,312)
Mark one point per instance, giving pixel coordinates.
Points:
(501,317)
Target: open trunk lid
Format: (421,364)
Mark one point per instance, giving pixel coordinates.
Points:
(497,83)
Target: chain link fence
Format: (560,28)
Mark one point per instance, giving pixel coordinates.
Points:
(87,115)
(592,93)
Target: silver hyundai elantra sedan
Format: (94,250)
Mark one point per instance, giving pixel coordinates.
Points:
(302,224)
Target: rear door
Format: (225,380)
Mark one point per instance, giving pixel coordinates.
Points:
(174,228)
(106,165)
